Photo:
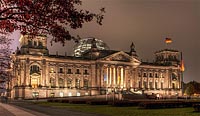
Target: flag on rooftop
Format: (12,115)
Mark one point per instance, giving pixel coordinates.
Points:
(168,40)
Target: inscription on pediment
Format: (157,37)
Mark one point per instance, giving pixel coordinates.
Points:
(120,57)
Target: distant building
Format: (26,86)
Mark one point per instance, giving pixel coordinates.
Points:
(36,73)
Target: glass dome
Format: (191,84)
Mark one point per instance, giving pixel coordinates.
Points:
(86,43)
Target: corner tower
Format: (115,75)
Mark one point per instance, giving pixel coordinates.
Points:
(132,51)
(34,45)
(167,57)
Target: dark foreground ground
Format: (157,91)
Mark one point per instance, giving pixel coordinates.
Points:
(52,111)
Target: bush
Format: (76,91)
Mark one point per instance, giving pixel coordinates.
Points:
(65,101)
(77,101)
(125,103)
(158,105)
(97,102)
(50,100)
(196,107)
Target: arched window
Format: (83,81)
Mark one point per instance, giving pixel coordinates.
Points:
(69,83)
(35,43)
(34,82)
(77,83)
(40,44)
(85,83)
(174,77)
(52,82)
(61,82)
(29,43)
(34,69)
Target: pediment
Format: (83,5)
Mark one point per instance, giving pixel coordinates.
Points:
(119,56)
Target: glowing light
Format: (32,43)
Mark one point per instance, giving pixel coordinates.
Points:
(20,39)
(69,94)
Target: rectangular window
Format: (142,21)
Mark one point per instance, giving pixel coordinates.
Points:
(69,71)
(60,70)
(150,85)
(156,75)
(86,72)
(85,83)
(173,85)
(150,75)
(78,71)
(144,74)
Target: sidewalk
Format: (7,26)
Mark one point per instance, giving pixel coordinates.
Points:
(10,110)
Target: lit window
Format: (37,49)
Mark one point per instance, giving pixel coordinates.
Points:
(34,69)
(85,83)
(77,83)
(52,70)
(61,94)
(52,82)
(69,83)
(61,82)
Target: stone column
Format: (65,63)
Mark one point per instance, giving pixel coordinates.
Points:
(125,77)
(44,73)
(22,76)
(101,77)
(56,76)
(114,77)
(110,76)
(27,77)
(82,78)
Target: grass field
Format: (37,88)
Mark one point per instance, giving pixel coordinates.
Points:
(124,111)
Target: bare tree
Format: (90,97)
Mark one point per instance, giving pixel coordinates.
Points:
(5,52)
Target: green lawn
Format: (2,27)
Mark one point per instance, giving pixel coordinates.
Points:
(124,111)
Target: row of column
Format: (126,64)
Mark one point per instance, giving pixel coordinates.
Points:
(114,76)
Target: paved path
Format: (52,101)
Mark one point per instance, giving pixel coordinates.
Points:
(50,111)
(10,110)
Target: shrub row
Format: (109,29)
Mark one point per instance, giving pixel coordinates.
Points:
(125,103)
(58,100)
(165,104)
(76,101)
(196,107)
(97,102)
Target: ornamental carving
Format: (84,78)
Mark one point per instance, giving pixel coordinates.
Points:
(120,57)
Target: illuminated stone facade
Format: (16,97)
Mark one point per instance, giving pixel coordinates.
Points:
(36,73)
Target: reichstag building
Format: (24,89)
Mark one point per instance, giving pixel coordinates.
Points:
(94,69)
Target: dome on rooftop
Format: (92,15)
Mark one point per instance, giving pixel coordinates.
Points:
(86,44)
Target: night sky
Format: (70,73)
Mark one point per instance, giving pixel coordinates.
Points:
(146,23)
